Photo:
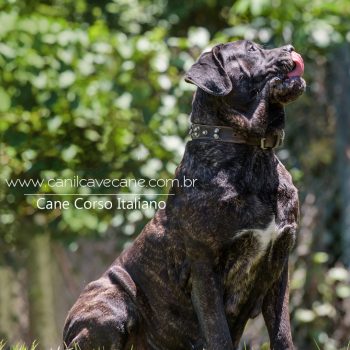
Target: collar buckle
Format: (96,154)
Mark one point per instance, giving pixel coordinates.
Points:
(279,139)
(263,143)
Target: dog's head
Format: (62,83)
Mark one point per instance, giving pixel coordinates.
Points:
(240,70)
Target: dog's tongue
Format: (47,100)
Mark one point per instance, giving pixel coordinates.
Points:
(298,70)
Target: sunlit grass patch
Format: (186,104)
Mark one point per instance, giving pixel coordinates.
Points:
(18,346)
(35,346)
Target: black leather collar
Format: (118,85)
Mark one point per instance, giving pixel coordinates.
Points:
(227,134)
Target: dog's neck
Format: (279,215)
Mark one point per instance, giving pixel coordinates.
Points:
(212,110)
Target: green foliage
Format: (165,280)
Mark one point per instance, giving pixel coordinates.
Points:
(85,100)
(83,95)
(323,301)
(311,24)
(94,88)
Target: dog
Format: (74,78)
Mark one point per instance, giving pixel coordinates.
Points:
(217,255)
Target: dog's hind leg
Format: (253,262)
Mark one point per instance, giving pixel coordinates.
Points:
(103,317)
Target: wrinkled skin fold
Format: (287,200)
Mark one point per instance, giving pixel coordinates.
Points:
(218,254)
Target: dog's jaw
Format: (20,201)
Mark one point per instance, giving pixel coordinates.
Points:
(291,85)
(287,90)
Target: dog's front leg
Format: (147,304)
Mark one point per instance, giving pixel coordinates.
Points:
(276,313)
(207,299)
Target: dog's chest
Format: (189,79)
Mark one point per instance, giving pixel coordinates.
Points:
(259,239)
(243,266)
(266,235)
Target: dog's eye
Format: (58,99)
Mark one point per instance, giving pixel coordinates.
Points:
(252,48)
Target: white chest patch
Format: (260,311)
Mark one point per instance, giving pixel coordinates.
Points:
(265,236)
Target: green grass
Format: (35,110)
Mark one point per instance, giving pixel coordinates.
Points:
(34,346)
(318,348)
(18,346)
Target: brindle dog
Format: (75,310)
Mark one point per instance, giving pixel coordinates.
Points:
(218,254)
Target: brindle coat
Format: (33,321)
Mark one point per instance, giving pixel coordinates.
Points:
(205,265)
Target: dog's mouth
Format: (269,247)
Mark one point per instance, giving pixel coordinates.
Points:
(298,67)
(289,85)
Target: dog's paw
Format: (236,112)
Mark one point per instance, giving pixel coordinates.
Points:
(287,90)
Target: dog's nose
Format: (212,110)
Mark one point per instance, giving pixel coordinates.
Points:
(288,48)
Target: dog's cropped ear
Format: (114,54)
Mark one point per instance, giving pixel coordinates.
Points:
(209,74)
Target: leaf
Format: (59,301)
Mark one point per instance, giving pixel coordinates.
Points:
(5,101)
(66,79)
(7,51)
(338,274)
(320,257)
(69,153)
(305,315)
(343,291)
(199,36)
